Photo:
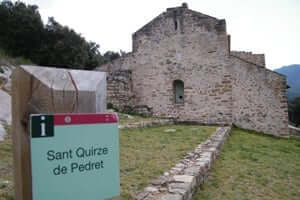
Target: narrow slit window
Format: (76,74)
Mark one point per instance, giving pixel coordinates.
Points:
(178,87)
(175,25)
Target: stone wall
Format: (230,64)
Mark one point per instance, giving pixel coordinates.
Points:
(259,98)
(166,52)
(119,89)
(258,59)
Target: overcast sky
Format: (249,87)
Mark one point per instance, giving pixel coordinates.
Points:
(261,26)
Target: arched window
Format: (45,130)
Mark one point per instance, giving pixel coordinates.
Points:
(178,87)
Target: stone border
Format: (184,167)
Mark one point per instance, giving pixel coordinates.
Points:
(181,182)
(294,131)
(143,124)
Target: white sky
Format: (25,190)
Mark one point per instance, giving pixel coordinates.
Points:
(261,26)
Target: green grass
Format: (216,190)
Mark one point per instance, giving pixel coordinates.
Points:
(6,164)
(145,153)
(254,166)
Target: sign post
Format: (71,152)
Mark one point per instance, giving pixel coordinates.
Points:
(75,156)
(49,90)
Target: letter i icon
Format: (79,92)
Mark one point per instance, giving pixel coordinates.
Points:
(43,126)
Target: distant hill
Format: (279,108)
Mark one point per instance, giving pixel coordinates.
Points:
(292,72)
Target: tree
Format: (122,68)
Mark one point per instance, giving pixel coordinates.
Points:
(63,47)
(23,33)
(21,29)
(110,56)
(95,58)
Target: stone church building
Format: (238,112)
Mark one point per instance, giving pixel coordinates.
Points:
(182,67)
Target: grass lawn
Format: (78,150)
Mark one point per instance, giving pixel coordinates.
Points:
(254,166)
(6,173)
(148,152)
(145,153)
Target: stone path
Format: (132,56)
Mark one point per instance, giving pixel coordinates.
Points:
(181,182)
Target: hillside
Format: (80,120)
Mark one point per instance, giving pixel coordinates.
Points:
(292,72)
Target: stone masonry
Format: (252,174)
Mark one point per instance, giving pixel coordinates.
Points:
(219,86)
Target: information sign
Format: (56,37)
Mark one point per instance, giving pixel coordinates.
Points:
(75,156)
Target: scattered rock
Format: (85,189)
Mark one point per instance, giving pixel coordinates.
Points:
(5,77)
(170,130)
(171,197)
(130,117)
(124,116)
(2,132)
(183,178)
(5,107)
(151,189)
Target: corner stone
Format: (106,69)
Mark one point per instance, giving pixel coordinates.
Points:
(171,197)
(183,178)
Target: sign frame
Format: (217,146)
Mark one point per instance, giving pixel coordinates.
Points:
(75,156)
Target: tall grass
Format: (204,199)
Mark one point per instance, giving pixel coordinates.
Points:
(255,166)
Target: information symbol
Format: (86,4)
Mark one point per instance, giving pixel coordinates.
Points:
(68,119)
(43,126)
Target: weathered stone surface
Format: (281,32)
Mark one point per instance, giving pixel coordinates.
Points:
(294,131)
(151,189)
(182,186)
(171,197)
(5,107)
(258,59)
(48,90)
(220,86)
(2,132)
(183,178)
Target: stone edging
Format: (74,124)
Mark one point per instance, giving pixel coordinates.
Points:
(294,131)
(144,124)
(181,182)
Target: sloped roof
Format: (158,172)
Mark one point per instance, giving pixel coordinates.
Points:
(170,12)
